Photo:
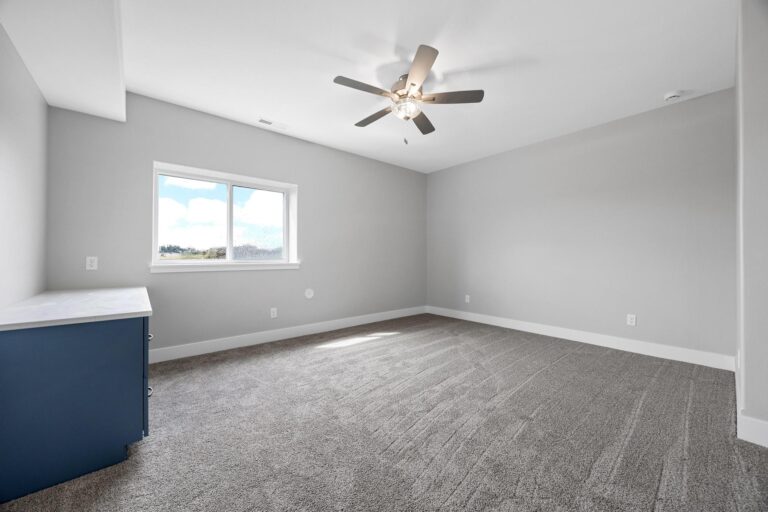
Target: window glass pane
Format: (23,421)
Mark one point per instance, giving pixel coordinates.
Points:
(192,219)
(257,224)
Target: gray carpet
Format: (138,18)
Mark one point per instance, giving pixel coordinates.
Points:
(428,413)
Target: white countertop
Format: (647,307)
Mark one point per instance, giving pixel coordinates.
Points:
(76,307)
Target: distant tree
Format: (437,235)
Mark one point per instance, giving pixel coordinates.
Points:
(252,252)
(175,249)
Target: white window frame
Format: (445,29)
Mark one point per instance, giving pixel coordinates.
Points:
(290,210)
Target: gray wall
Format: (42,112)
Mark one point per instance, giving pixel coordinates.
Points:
(635,216)
(753,204)
(22,178)
(361,222)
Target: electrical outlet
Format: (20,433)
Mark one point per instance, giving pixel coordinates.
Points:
(91,263)
(631,319)
(466,299)
(272,312)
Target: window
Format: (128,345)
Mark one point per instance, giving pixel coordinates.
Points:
(208,220)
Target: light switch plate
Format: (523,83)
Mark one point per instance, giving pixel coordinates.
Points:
(91,263)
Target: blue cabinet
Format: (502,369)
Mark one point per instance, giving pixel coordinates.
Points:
(72,398)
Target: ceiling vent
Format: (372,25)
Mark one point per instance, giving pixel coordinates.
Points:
(271,124)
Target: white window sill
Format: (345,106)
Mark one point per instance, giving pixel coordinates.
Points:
(222,266)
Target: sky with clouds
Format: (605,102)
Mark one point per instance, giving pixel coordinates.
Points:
(193,213)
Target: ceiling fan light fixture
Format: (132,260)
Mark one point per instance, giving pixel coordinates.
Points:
(406,108)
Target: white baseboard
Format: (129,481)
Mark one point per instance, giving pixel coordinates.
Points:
(711,359)
(157,355)
(752,429)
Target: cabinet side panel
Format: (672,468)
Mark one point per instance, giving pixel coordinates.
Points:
(70,402)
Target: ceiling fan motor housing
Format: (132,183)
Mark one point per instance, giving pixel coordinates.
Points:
(400,87)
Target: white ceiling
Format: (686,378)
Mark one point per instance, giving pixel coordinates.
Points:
(548,67)
(73,51)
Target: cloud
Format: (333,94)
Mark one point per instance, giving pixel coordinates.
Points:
(197,237)
(201,224)
(260,236)
(262,208)
(207,211)
(170,212)
(173,181)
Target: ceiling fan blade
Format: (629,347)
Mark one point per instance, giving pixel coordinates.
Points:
(360,86)
(423,123)
(422,63)
(374,117)
(454,97)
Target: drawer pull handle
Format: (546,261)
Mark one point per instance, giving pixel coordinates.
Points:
(149,390)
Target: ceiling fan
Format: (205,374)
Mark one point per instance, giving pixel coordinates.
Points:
(407,96)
